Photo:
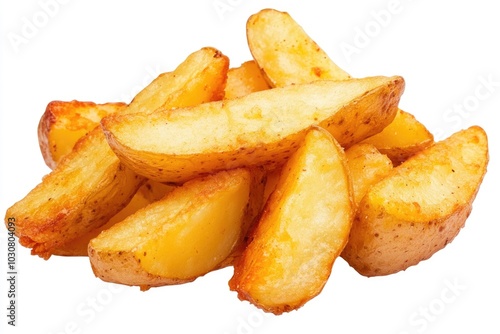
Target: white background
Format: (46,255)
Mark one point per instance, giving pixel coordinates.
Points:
(107,50)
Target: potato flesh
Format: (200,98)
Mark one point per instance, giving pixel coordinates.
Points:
(258,129)
(284,51)
(185,235)
(419,207)
(64,123)
(244,80)
(178,258)
(367,166)
(303,229)
(401,139)
(453,175)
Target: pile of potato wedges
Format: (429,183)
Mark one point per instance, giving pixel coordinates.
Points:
(276,167)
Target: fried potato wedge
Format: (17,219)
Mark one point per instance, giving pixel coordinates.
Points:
(200,78)
(262,128)
(244,80)
(148,193)
(303,229)
(401,139)
(187,234)
(91,184)
(82,193)
(367,166)
(63,123)
(419,207)
(286,53)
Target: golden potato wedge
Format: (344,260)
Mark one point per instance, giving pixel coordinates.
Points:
(303,229)
(148,193)
(82,193)
(91,185)
(187,234)
(262,128)
(419,207)
(244,80)
(288,55)
(401,139)
(367,166)
(285,53)
(200,78)
(63,123)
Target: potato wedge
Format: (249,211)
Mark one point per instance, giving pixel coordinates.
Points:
(419,207)
(303,229)
(401,139)
(148,193)
(200,78)
(262,128)
(367,166)
(63,123)
(244,80)
(187,234)
(82,193)
(91,184)
(288,55)
(285,53)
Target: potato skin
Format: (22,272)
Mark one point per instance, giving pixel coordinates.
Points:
(419,207)
(104,265)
